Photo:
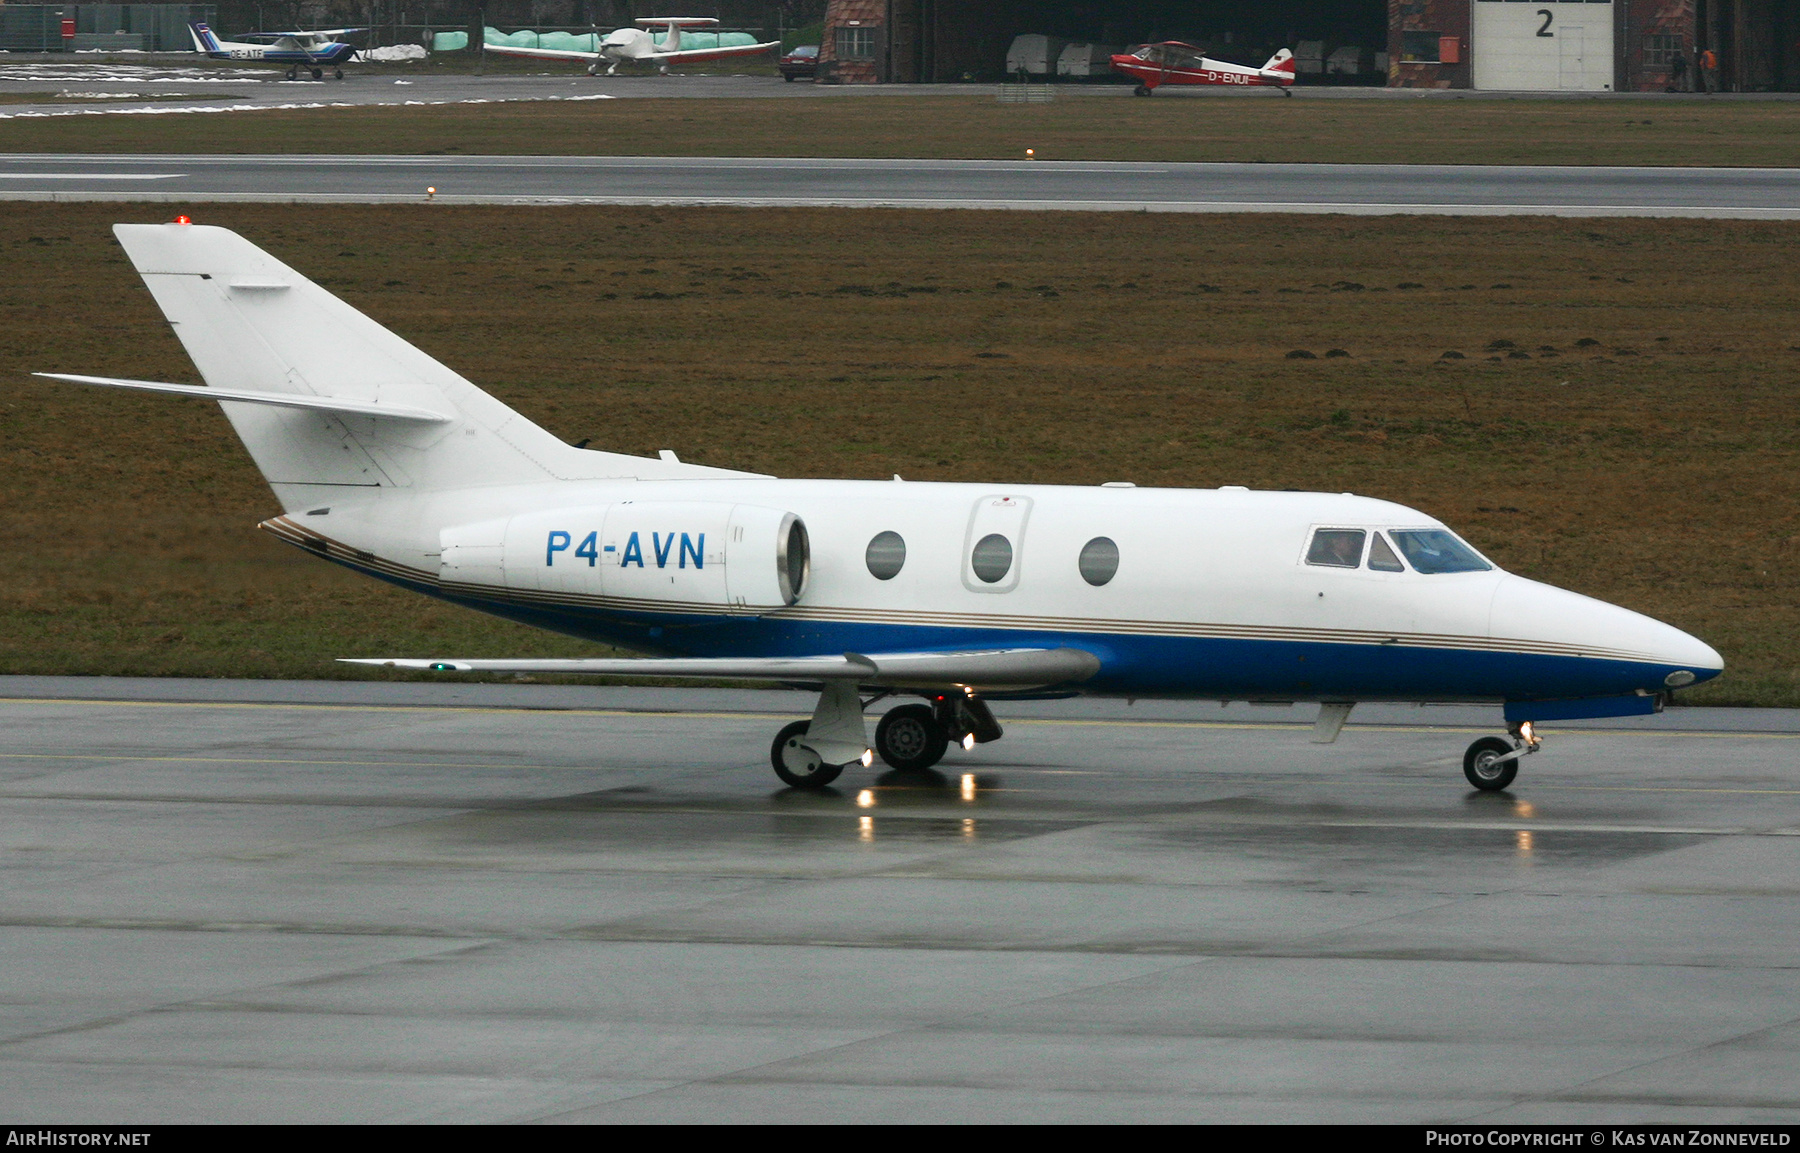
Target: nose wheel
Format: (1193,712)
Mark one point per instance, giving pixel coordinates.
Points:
(1491,763)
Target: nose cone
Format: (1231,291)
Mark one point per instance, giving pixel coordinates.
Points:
(1557,621)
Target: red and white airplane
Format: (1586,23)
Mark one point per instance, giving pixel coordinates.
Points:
(639,44)
(1172,62)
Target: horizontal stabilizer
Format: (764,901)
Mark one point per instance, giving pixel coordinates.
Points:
(278,399)
(986,668)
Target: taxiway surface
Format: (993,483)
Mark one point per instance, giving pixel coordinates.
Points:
(230,901)
(1378,189)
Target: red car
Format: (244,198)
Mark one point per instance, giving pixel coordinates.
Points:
(802,61)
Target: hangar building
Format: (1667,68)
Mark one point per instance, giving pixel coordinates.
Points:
(1515,45)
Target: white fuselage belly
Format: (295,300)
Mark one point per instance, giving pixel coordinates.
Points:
(1212,595)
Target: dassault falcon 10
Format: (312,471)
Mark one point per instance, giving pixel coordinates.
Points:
(387,462)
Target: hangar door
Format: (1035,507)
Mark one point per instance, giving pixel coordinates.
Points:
(1529,47)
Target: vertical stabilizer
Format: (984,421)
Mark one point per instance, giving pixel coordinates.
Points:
(250,322)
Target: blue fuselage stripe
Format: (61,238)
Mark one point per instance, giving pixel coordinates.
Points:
(1131,665)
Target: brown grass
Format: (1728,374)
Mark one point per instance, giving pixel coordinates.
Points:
(1254,127)
(1656,468)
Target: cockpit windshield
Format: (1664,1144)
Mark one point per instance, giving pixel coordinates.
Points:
(1170,54)
(1437,551)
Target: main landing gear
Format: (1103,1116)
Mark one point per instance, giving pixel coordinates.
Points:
(813,753)
(1491,763)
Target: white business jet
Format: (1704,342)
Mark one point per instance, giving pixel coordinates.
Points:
(389,463)
(629,45)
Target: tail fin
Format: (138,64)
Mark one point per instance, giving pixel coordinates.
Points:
(672,38)
(253,325)
(204,40)
(1282,61)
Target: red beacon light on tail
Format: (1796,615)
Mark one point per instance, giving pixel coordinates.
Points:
(183,220)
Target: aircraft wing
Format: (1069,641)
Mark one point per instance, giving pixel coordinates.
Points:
(694,55)
(543,53)
(277,399)
(978,669)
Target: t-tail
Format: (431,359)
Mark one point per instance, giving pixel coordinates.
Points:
(204,40)
(1280,67)
(333,407)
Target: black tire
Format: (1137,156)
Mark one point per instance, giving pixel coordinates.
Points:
(318,73)
(293,73)
(1142,90)
(910,739)
(337,73)
(797,766)
(1479,767)
(788,76)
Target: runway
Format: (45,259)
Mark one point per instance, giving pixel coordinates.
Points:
(244,901)
(1373,189)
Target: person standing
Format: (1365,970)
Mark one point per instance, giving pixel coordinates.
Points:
(1709,71)
(1678,71)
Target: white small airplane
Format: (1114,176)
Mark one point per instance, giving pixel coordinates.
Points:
(387,462)
(627,45)
(309,51)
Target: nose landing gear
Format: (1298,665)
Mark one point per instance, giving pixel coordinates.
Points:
(1491,763)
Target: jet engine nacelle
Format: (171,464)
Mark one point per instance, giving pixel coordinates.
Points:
(735,558)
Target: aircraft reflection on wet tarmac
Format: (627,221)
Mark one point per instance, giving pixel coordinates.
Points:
(485,911)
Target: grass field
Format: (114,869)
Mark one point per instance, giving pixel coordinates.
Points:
(1247,127)
(1622,420)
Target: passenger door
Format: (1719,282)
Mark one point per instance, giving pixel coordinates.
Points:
(994,547)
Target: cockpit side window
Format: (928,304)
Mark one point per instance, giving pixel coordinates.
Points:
(1438,551)
(1381,556)
(1336,547)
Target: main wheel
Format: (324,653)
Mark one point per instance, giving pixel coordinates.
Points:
(294,73)
(798,765)
(1141,90)
(318,73)
(909,738)
(337,73)
(1482,765)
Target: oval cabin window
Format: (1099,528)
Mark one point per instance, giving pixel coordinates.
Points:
(886,556)
(1099,561)
(992,558)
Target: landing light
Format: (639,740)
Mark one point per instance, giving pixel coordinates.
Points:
(968,740)
(868,758)
(1527,733)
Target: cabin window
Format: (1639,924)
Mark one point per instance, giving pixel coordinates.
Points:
(1336,547)
(886,556)
(992,558)
(1437,550)
(1099,561)
(1381,556)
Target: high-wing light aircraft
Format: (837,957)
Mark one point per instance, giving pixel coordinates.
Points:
(625,45)
(1173,62)
(387,462)
(310,51)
